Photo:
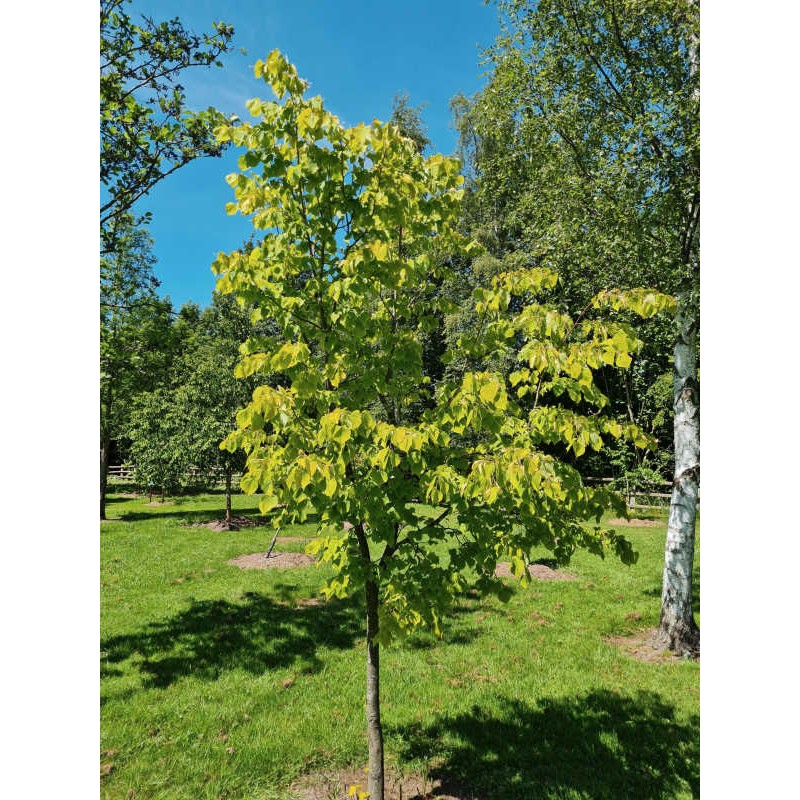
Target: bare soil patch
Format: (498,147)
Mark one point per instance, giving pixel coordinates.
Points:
(336,785)
(236,523)
(309,602)
(642,646)
(633,522)
(540,572)
(275,561)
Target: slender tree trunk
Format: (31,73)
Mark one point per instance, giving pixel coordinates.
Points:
(677,628)
(374,729)
(105,445)
(272,543)
(228,495)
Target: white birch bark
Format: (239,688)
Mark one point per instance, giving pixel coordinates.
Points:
(677,628)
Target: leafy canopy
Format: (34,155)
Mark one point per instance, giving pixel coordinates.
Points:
(584,144)
(146,132)
(136,339)
(356,222)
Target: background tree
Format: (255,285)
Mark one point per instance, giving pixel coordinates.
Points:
(354,222)
(584,151)
(408,120)
(136,334)
(146,132)
(156,429)
(208,396)
(174,430)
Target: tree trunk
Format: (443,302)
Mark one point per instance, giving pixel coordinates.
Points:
(105,445)
(374,730)
(677,629)
(228,495)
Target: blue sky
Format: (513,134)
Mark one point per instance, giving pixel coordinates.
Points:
(356,55)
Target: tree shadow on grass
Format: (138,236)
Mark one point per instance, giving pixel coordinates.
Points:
(462,626)
(256,634)
(188,516)
(111,499)
(601,745)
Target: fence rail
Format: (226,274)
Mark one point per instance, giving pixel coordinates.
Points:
(654,495)
(657,495)
(127,473)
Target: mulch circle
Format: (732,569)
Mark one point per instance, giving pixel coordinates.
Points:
(397,787)
(540,572)
(276,560)
(236,523)
(309,602)
(637,523)
(642,646)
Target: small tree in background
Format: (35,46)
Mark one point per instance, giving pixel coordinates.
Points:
(155,428)
(355,220)
(208,395)
(177,429)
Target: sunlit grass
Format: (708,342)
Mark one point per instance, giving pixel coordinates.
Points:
(218,682)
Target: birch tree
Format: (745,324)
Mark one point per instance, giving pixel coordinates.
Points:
(584,149)
(409,512)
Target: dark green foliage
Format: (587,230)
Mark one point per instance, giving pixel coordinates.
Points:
(408,119)
(154,426)
(175,431)
(137,338)
(582,154)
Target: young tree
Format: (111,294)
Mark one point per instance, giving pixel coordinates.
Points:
(156,429)
(353,219)
(208,396)
(146,132)
(178,426)
(585,152)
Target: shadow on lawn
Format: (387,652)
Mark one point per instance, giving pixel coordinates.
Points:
(188,517)
(257,634)
(598,746)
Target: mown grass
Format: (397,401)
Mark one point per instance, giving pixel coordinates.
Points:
(221,683)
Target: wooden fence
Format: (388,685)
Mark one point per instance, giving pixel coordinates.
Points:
(653,495)
(656,495)
(126,473)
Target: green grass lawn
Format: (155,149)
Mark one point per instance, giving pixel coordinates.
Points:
(222,683)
